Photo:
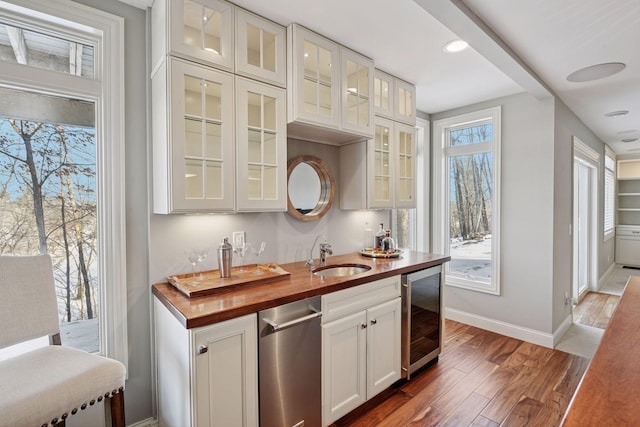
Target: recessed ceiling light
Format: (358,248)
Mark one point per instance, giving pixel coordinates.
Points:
(617,113)
(455,46)
(596,72)
(630,140)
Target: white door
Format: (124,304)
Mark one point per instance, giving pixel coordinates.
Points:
(584,222)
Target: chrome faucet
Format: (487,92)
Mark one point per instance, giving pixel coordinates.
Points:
(325,248)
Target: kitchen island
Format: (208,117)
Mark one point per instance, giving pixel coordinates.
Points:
(609,393)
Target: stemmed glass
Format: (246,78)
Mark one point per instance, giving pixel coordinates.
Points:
(194,258)
(258,248)
(241,251)
(202,255)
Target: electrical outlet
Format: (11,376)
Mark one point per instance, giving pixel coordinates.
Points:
(238,238)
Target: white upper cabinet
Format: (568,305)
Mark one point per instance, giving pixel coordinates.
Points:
(405,102)
(357,88)
(383,94)
(198,30)
(314,80)
(394,98)
(261,147)
(193,138)
(380,173)
(261,48)
(329,90)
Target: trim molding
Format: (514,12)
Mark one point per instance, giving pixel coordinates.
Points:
(605,277)
(562,329)
(503,328)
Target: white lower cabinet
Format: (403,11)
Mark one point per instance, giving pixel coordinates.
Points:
(360,345)
(206,376)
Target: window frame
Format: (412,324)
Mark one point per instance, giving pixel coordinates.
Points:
(441,214)
(106,90)
(609,202)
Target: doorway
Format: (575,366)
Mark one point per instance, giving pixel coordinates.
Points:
(585,197)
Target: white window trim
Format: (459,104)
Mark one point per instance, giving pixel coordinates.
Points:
(440,232)
(610,233)
(107,31)
(423,153)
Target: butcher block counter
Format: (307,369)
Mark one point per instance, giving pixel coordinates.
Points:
(301,283)
(609,393)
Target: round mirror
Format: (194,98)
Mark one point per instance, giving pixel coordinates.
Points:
(310,188)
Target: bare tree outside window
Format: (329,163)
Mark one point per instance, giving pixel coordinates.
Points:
(48,205)
(470,201)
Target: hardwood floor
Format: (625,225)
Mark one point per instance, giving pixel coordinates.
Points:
(595,309)
(481,379)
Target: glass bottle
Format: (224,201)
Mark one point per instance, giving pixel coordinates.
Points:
(388,244)
(379,236)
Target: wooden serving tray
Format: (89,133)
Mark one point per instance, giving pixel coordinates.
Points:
(209,282)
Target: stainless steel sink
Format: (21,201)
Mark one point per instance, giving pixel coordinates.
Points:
(336,270)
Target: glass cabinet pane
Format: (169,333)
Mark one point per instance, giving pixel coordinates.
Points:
(213,142)
(213,93)
(270,113)
(192,138)
(193,96)
(211,21)
(254,109)
(270,148)
(270,186)
(255,146)
(193,179)
(255,182)
(253,45)
(310,60)
(269,51)
(325,106)
(324,65)
(214,180)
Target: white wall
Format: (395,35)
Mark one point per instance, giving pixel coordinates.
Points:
(138,397)
(567,125)
(526,215)
(288,239)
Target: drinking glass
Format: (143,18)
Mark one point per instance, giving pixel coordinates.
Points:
(241,251)
(202,255)
(193,256)
(258,248)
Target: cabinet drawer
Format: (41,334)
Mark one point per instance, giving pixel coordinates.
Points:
(631,232)
(348,301)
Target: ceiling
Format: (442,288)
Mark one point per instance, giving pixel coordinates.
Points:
(516,46)
(528,46)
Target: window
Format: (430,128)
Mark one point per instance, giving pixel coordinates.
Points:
(609,192)
(61,161)
(467,198)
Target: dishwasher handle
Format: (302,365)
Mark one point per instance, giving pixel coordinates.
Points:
(280,326)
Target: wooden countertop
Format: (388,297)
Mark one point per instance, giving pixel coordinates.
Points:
(609,393)
(201,311)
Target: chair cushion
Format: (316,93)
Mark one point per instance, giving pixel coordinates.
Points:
(43,384)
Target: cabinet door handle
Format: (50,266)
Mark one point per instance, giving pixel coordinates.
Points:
(363,326)
(203,349)
(374,321)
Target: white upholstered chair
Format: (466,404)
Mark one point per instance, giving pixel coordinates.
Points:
(44,386)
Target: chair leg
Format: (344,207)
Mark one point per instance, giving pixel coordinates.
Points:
(116,403)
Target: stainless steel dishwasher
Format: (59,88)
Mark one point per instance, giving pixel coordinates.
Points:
(289,348)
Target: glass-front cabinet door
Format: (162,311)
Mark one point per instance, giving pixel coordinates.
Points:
(380,158)
(404,136)
(314,87)
(383,94)
(202,31)
(261,147)
(261,48)
(405,102)
(202,137)
(357,90)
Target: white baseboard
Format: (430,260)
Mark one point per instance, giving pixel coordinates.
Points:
(562,329)
(149,422)
(606,276)
(503,328)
